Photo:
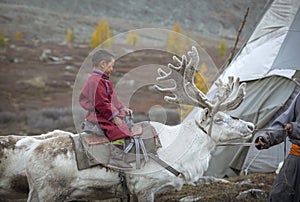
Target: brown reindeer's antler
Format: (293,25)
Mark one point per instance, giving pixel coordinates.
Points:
(229,95)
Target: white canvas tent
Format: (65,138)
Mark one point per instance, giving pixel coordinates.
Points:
(270,65)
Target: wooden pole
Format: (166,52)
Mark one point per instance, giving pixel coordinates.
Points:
(228,61)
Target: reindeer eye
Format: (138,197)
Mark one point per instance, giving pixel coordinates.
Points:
(234,118)
(218,121)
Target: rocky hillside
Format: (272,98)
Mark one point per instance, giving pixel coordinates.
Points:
(39,98)
(217,18)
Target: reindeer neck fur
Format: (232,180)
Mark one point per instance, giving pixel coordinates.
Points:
(186,147)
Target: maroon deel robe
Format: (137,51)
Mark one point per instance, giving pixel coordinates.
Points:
(98,97)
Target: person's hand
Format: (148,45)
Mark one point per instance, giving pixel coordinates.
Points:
(288,128)
(118,121)
(261,142)
(128,111)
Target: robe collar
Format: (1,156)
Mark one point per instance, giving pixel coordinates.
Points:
(102,74)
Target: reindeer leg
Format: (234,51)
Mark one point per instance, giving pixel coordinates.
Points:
(33,194)
(145,196)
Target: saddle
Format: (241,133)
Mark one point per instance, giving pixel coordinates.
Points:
(93,148)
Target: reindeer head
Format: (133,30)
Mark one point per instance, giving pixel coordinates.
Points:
(218,125)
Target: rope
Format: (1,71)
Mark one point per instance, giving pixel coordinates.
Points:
(284,146)
(267,129)
(246,169)
(255,157)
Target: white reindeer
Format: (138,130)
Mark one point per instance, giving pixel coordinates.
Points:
(52,171)
(13,180)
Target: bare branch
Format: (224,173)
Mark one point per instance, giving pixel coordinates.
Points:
(228,61)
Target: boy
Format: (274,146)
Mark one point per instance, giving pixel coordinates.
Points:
(98,97)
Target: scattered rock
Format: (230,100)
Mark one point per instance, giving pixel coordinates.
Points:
(210,179)
(16,60)
(37,82)
(246,182)
(54,59)
(80,46)
(252,193)
(45,57)
(191,198)
(12,46)
(70,67)
(67,58)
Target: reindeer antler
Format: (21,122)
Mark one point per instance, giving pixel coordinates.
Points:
(182,76)
(229,95)
(233,93)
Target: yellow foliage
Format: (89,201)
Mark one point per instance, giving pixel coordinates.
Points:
(200,84)
(101,34)
(132,39)
(70,36)
(199,41)
(177,28)
(174,41)
(3,38)
(203,68)
(185,110)
(222,48)
(19,36)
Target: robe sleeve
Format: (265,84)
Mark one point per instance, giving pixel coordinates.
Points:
(116,102)
(103,104)
(86,96)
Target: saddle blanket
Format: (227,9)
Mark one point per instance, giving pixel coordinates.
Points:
(93,149)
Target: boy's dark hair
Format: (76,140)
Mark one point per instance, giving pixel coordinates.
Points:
(100,55)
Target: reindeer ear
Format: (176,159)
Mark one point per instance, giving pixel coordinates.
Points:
(204,115)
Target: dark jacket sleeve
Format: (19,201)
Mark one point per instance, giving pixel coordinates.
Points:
(289,116)
(296,131)
(272,138)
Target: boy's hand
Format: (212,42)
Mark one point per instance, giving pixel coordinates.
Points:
(128,111)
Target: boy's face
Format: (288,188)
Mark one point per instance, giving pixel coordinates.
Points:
(107,67)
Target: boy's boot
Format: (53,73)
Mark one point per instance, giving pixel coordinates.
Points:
(117,158)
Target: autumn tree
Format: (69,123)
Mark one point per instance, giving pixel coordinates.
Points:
(222,48)
(19,36)
(174,41)
(102,33)
(70,36)
(200,84)
(132,38)
(3,40)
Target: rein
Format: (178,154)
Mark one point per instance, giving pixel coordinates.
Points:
(245,144)
(249,144)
